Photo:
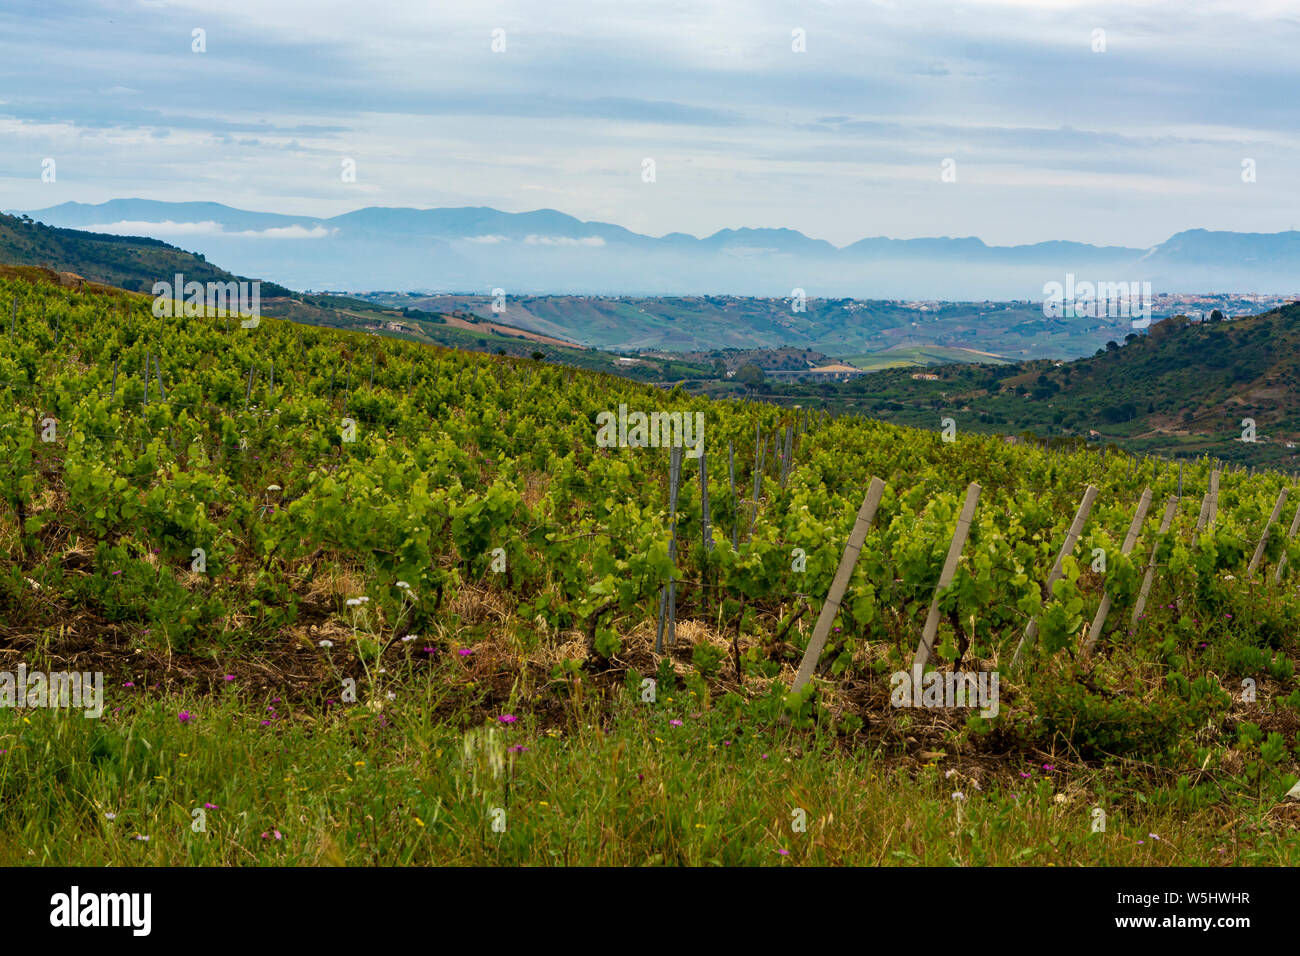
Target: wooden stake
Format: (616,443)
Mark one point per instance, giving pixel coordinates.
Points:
(1067,548)
(785,458)
(924,648)
(1165,522)
(866,515)
(1263,539)
(1103,610)
(672,548)
(1281,563)
(706,532)
(668,594)
(731,471)
(1204,516)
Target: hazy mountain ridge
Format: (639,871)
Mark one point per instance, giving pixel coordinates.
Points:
(475,249)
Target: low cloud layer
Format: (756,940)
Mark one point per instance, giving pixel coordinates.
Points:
(171,230)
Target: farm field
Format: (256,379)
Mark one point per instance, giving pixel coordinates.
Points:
(920,356)
(364,601)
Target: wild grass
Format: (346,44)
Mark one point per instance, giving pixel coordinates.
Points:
(618,782)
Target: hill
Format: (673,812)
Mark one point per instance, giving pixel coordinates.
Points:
(127,262)
(34,250)
(1182,390)
(838,327)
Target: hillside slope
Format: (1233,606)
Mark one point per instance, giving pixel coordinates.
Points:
(1184,389)
(329,560)
(127,262)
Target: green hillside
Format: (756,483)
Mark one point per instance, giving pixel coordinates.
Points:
(1181,391)
(128,262)
(841,327)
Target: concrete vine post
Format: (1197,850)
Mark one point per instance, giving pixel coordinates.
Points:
(926,645)
(1130,540)
(831,607)
(1263,539)
(1281,563)
(1166,522)
(1071,537)
(668,594)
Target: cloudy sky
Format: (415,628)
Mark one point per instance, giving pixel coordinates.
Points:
(1055,130)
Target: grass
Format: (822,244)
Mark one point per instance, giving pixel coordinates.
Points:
(613,781)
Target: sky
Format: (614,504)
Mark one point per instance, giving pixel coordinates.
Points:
(1013,120)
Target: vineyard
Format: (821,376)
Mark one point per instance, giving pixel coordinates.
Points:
(321,519)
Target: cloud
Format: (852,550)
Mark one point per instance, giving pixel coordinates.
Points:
(535,240)
(839,141)
(286,232)
(157,229)
(209,228)
(487,240)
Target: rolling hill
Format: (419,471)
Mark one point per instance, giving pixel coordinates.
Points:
(36,252)
(1185,389)
(127,262)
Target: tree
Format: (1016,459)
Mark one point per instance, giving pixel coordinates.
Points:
(750,374)
(1216,316)
(1112,345)
(538,356)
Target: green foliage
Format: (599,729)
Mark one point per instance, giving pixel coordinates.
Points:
(707,659)
(1105,722)
(665,677)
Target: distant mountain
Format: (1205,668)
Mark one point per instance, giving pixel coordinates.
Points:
(127,262)
(475,249)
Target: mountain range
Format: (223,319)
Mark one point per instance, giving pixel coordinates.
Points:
(476,249)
